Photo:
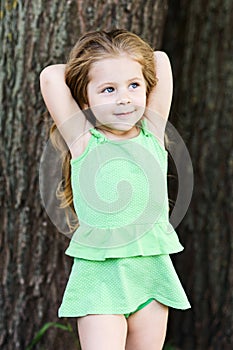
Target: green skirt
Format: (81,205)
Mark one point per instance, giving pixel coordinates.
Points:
(120,285)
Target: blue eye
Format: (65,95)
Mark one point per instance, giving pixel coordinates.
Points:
(134,85)
(108,89)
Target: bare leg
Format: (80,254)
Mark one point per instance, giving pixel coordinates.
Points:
(147,327)
(102,332)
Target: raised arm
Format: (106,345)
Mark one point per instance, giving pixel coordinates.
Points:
(159,100)
(62,107)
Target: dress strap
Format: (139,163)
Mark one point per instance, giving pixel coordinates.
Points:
(98,135)
(145,127)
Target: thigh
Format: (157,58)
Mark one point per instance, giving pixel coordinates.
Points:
(102,332)
(147,327)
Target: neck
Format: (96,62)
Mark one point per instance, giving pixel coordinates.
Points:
(120,133)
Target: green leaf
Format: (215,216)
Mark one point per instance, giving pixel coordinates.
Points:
(42,331)
(169,346)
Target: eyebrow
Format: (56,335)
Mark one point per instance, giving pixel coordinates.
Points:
(112,83)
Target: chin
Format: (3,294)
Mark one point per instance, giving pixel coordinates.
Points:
(123,127)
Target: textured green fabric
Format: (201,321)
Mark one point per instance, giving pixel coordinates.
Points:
(121,285)
(121,249)
(139,307)
(120,197)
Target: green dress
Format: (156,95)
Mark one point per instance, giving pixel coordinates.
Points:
(121,248)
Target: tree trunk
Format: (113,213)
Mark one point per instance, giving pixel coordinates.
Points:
(198,38)
(34,268)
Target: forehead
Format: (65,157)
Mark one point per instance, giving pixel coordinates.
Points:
(115,68)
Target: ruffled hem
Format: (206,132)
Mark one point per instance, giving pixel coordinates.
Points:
(95,243)
(175,305)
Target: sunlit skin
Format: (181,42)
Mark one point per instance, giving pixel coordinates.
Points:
(117,94)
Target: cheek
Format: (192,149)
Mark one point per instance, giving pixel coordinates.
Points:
(93,99)
(141,99)
(89,96)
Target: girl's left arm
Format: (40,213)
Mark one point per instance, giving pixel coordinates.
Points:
(160,98)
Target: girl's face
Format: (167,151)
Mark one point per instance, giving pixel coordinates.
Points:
(117,92)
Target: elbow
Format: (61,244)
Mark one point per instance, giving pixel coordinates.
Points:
(161,56)
(52,74)
(45,75)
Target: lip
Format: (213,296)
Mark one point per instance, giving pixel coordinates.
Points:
(123,114)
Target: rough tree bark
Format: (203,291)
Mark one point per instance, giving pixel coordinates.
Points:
(198,37)
(33,268)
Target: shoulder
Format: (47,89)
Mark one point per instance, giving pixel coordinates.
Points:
(79,146)
(155,129)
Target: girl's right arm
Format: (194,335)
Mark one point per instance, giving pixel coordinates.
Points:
(64,110)
(56,93)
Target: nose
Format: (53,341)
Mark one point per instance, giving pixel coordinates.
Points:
(123,98)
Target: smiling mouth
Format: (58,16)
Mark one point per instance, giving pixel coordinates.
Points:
(123,114)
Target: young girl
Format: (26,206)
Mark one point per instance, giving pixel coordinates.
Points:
(110,103)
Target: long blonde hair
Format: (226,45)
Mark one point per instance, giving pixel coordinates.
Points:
(90,48)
